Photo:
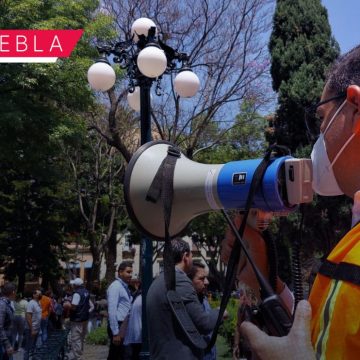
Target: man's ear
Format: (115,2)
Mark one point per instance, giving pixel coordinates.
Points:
(356,126)
(186,257)
(353,97)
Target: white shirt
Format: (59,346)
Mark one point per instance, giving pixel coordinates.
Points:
(119,303)
(75,299)
(34,309)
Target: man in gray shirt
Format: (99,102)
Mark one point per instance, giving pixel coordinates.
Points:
(32,326)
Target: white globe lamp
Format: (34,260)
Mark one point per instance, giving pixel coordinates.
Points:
(186,84)
(101,76)
(134,99)
(141,26)
(152,61)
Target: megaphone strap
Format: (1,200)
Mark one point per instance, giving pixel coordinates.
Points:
(156,186)
(163,185)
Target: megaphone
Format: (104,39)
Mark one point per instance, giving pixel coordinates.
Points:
(200,188)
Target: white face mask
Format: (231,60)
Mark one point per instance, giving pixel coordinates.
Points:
(324,181)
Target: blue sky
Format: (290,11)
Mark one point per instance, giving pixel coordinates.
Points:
(344,20)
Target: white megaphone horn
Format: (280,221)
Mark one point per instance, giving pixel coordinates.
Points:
(200,188)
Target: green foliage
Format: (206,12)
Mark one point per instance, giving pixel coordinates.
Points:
(97,336)
(301,48)
(33,214)
(223,350)
(42,104)
(245,140)
(227,329)
(36,99)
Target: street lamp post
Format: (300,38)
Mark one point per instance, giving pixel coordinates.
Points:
(145,58)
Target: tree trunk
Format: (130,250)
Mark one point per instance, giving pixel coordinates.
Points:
(45,283)
(110,256)
(94,273)
(21,282)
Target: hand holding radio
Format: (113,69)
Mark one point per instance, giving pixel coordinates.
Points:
(296,345)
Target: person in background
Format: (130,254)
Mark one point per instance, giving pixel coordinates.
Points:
(199,277)
(133,336)
(79,316)
(58,312)
(18,329)
(119,303)
(46,308)
(92,314)
(167,340)
(66,303)
(8,295)
(32,325)
(101,310)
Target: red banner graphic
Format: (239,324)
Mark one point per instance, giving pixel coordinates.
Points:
(38,43)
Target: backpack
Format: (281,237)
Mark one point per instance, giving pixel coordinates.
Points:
(58,309)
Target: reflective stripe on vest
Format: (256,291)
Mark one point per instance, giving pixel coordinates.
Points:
(335,325)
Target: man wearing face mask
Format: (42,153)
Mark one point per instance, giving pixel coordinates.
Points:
(327,326)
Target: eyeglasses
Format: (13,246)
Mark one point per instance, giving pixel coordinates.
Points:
(312,120)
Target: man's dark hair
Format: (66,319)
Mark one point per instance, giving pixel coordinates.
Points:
(179,248)
(123,265)
(344,72)
(35,291)
(8,289)
(194,269)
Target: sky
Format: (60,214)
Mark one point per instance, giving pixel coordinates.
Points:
(344,22)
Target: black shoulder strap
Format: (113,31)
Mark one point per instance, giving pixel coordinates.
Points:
(163,185)
(342,271)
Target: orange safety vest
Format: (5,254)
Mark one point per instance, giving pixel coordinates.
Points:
(335,302)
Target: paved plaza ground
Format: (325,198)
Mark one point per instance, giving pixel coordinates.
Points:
(91,352)
(100,352)
(95,352)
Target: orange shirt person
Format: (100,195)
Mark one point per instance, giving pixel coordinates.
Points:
(46,307)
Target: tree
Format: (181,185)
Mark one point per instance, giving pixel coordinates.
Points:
(95,172)
(39,101)
(33,215)
(230,71)
(302,48)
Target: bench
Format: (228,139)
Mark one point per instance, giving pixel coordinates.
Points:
(55,348)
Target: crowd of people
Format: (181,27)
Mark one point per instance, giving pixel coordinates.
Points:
(27,321)
(165,334)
